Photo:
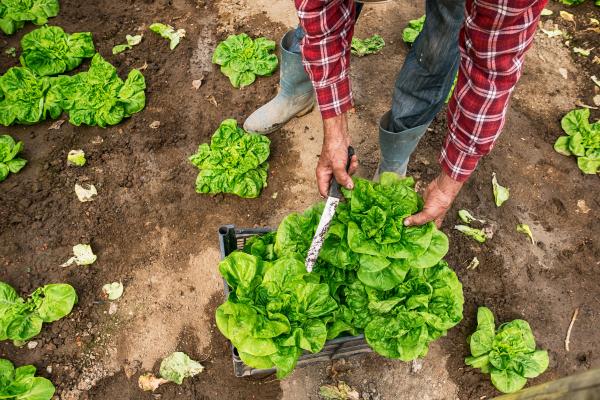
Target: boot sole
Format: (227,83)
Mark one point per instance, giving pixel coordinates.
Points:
(301,113)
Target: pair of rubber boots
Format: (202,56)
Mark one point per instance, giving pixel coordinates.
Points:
(296,98)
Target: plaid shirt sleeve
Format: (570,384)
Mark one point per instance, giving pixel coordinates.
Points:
(493,43)
(328,27)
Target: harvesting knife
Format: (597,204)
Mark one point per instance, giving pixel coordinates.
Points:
(333,199)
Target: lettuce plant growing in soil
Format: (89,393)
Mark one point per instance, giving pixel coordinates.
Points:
(97,96)
(582,140)
(412,30)
(241,58)
(9,162)
(14,13)
(508,353)
(21,319)
(50,51)
(22,97)
(373,275)
(22,384)
(234,162)
(363,47)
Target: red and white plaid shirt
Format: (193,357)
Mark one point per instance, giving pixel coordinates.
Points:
(492,43)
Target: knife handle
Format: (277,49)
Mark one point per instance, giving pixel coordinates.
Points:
(334,188)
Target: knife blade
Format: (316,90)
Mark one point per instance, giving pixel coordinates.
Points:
(333,199)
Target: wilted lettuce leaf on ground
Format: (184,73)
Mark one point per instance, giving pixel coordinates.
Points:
(508,354)
(131,41)
(242,58)
(234,162)
(9,162)
(14,13)
(178,366)
(168,32)
(50,51)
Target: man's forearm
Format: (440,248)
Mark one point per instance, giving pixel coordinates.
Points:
(493,43)
(328,28)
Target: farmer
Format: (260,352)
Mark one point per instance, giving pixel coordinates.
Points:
(484,40)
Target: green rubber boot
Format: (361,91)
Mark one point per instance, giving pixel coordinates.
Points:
(396,148)
(295,98)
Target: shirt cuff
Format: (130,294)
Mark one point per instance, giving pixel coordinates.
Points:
(335,99)
(456,163)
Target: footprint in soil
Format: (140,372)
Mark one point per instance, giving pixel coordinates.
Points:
(217,382)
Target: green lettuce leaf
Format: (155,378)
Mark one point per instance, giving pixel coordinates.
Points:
(501,193)
(234,162)
(50,51)
(167,32)
(131,41)
(242,58)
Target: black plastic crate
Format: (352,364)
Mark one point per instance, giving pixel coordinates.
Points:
(231,239)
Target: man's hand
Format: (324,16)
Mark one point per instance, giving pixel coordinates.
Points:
(334,155)
(438,198)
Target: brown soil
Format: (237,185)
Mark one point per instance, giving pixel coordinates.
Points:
(155,234)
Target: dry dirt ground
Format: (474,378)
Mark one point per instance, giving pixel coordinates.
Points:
(155,234)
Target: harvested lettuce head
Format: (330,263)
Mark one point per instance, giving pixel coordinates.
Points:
(168,32)
(50,51)
(76,157)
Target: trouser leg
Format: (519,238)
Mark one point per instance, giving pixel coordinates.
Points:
(422,84)
(296,94)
